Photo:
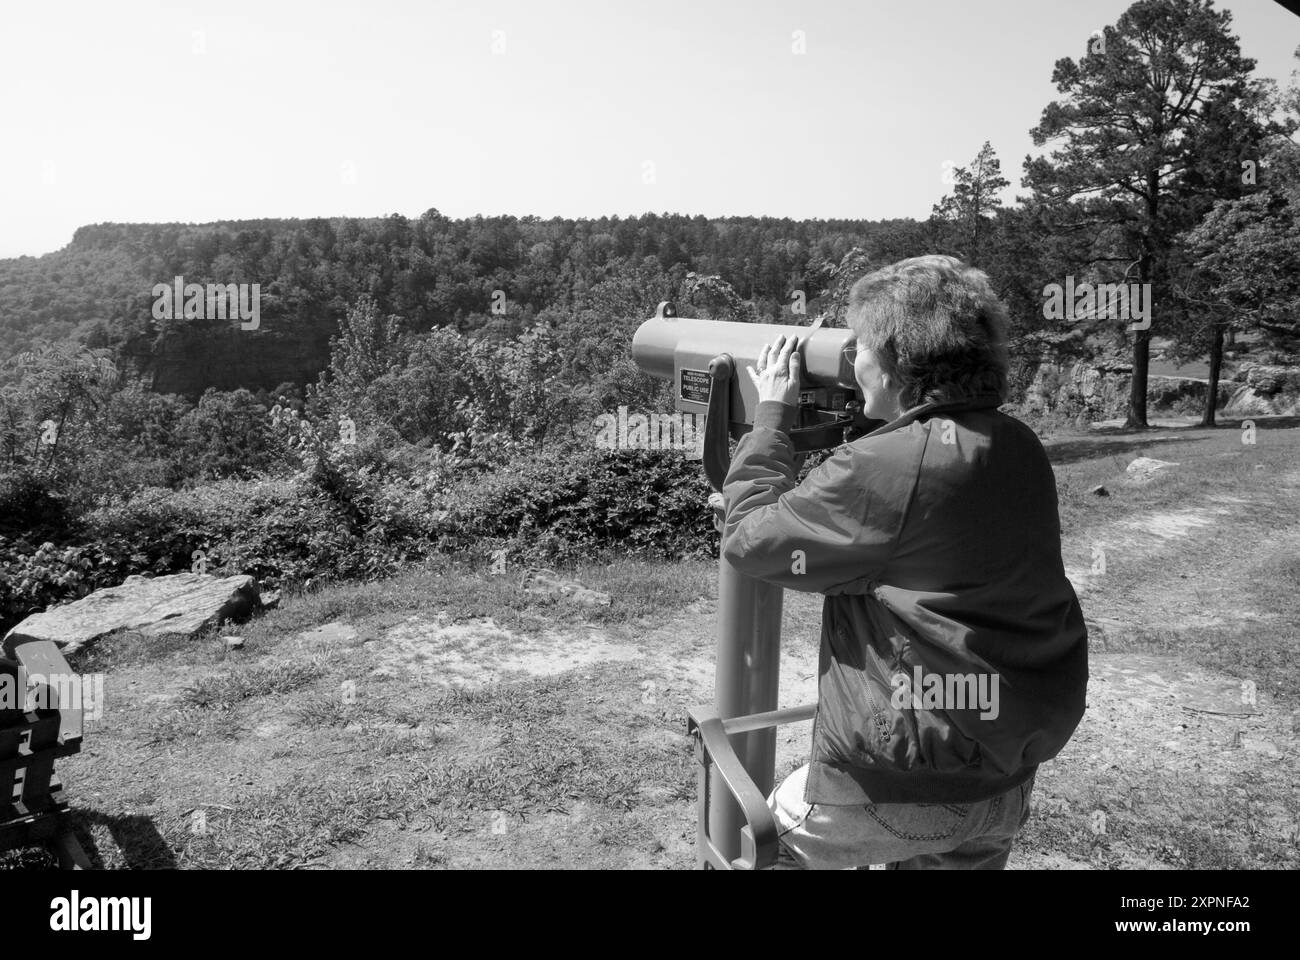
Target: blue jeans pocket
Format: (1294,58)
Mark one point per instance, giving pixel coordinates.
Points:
(1026,789)
(920,821)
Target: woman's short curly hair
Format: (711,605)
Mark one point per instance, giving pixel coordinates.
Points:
(935,325)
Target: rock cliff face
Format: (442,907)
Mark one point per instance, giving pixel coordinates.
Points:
(189,363)
(1096,389)
(1099,390)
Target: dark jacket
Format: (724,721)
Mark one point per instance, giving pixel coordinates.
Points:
(936,540)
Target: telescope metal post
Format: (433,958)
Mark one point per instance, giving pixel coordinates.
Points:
(746,679)
(747,668)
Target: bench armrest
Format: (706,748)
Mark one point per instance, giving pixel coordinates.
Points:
(714,751)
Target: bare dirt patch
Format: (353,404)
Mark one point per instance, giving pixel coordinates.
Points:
(479,653)
(1139,537)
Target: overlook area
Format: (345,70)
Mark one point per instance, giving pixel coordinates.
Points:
(369,464)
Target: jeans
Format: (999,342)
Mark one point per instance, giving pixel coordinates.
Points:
(902,836)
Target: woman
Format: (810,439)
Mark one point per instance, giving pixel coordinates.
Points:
(953,650)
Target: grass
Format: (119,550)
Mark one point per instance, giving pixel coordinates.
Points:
(260,680)
(1224,597)
(549,754)
(1248,483)
(292,769)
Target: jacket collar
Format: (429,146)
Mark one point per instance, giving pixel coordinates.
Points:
(981,401)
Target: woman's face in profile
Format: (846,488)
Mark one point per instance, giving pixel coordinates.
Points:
(880,397)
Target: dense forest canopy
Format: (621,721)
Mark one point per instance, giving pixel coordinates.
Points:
(432,271)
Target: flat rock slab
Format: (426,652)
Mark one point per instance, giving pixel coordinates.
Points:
(1144,469)
(179,604)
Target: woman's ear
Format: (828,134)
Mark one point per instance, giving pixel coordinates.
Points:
(890,388)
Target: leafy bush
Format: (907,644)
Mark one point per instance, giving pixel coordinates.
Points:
(30,582)
(30,507)
(283,532)
(350,514)
(568,504)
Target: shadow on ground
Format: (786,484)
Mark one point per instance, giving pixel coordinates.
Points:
(140,846)
(1074,451)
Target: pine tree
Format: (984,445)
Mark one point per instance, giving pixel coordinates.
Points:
(973,201)
(1127,133)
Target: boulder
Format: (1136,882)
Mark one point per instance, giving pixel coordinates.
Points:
(547,582)
(1264,390)
(1095,389)
(180,604)
(1144,468)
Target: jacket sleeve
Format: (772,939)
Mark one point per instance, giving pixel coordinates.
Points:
(830,534)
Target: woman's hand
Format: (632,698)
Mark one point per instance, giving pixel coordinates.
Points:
(779,373)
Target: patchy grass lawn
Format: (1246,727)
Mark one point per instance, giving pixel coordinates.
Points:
(1189,748)
(445,718)
(292,750)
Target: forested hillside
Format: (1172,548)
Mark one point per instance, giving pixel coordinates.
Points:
(432,271)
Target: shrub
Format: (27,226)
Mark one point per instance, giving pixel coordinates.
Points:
(30,508)
(568,504)
(339,519)
(32,581)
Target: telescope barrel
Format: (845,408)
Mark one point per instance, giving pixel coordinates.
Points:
(662,345)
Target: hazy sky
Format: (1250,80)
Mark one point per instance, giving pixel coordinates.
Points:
(152,111)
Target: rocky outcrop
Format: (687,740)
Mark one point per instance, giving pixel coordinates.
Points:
(1099,390)
(190,361)
(1184,394)
(1261,389)
(180,604)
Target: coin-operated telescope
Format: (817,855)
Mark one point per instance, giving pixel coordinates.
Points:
(735,740)
(706,362)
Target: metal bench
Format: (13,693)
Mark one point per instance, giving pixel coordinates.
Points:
(715,752)
(33,809)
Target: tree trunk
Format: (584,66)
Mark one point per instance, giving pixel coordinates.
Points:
(1137,396)
(1216,365)
(58,435)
